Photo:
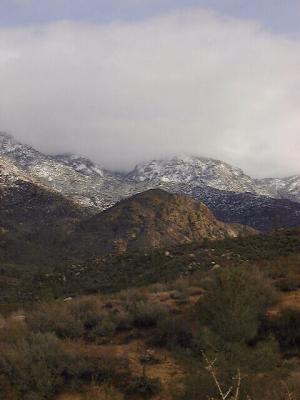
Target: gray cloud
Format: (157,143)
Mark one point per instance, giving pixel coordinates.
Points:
(22,2)
(186,82)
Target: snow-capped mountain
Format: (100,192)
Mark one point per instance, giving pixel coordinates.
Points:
(88,190)
(198,171)
(214,182)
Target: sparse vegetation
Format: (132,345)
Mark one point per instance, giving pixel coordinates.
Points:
(145,315)
(230,313)
(38,365)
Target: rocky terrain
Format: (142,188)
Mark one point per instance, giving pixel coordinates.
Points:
(152,219)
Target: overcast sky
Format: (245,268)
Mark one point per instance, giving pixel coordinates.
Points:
(123,81)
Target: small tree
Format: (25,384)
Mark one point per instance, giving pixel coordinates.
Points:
(233,305)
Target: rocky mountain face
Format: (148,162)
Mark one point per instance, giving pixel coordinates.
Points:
(152,219)
(232,195)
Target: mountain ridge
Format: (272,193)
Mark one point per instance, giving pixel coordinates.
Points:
(216,183)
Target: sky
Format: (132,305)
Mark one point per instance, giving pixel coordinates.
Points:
(126,81)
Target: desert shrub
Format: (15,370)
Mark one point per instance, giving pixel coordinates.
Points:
(104,329)
(142,386)
(33,364)
(234,303)
(180,285)
(181,289)
(58,319)
(286,328)
(259,358)
(39,365)
(84,368)
(230,316)
(172,332)
(66,320)
(146,315)
(123,320)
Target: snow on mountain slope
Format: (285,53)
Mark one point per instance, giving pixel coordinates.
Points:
(88,191)
(205,179)
(198,171)
(80,164)
(286,188)
(10,175)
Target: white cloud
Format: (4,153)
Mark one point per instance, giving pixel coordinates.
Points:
(188,82)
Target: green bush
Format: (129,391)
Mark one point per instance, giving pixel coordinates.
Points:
(234,303)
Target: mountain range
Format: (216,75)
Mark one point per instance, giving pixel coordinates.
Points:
(232,195)
(39,225)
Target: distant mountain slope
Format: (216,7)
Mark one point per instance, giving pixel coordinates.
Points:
(86,189)
(151,219)
(260,212)
(33,217)
(193,172)
(197,171)
(287,188)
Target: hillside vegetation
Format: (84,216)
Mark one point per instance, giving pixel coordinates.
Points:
(168,341)
(23,284)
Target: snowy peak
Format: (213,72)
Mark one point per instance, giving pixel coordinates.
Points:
(197,171)
(80,164)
